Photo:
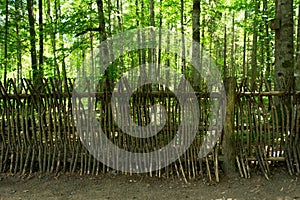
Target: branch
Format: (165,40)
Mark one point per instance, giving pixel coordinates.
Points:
(87,30)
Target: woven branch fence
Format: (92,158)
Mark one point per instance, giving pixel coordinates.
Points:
(38,131)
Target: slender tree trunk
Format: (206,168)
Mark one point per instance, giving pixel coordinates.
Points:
(183,63)
(245,47)
(254,46)
(56,70)
(167,60)
(6,43)
(137,13)
(203,25)
(83,72)
(103,37)
(267,42)
(109,6)
(151,51)
(196,78)
(91,37)
(120,26)
(41,38)
(261,51)
(19,43)
(109,32)
(232,66)
(120,12)
(152,16)
(143,35)
(63,63)
(101,20)
(160,34)
(297,67)
(225,54)
(35,73)
(108,83)
(196,21)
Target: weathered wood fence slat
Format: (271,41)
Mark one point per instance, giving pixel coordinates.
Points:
(38,132)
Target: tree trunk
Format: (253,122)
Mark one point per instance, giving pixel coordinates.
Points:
(120,13)
(56,70)
(35,73)
(232,65)
(267,42)
(152,19)
(143,35)
(41,37)
(107,88)
(19,43)
(109,6)
(91,37)
(245,48)
(18,5)
(254,46)
(297,67)
(6,42)
(196,78)
(103,37)
(225,54)
(284,56)
(101,20)
(284,46)
(137,13)
(63,63)
(183,63)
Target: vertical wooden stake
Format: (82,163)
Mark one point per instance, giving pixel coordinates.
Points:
(229,138)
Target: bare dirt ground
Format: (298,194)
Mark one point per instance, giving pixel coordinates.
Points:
(281,186)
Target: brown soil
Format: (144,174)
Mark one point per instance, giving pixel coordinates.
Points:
(111,186)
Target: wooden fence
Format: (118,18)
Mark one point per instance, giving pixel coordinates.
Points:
(38,132)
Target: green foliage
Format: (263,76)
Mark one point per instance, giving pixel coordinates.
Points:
(74,25)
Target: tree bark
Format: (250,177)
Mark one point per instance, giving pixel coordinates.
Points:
(56,70)
(6,42)
(232,65)
(19,43)
(101,20)
(284,50)
(34,66)
(254,46)
(152,19)
(284,56)
(229,138)
(196,78)
(297,67)
(267,42)
(225,54)
(245,47)
(41,37)
(183,63)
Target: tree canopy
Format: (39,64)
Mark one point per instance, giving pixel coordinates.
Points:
(50,38)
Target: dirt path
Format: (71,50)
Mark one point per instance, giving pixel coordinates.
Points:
(281,186)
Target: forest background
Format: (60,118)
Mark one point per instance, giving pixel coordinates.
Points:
(246,39)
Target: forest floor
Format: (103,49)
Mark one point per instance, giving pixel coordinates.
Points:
(281,186)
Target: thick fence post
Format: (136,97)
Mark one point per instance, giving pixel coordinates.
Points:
(229,138)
